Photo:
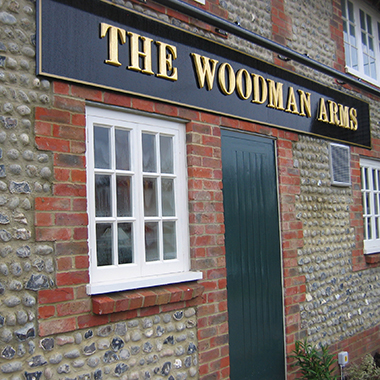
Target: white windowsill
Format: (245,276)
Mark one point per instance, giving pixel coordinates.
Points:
(172,278)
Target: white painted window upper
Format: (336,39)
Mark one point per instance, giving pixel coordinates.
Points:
(137,201)
(361,32)
(370,173)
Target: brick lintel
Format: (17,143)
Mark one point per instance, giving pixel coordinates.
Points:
(136,299)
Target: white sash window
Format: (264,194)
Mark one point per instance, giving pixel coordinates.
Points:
(137,201)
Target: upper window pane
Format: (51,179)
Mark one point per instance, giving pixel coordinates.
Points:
(122,150)
(102,148)
(149,152)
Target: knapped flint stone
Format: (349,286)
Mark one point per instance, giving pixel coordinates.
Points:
(47,344)
(146,375)
(104,331)
(78,336)
(187,361)
(117,343)
(23,234)
(135,350)
(21,351)
(7,18)
(22,317)
(2,290)
(169,340)
(147,347)
(13,203)
(110,357)
(179,351)
(121,368)
(12,301)
(43,250)
(89,350)
(15,169)
(6,335)
(78,363)
(73,354)
(31,347)
(124,354)
(160,331)
(5,235)
(93,361)
(28,300)
(178,315)
(8,352)
(28,331)
(19,187)
(4,219)
(98,374)
(156,370)
(191,349)
(37,361)
(39,264)
(55,359)
(37,282)
(32,375)
(121,328)
(171,377)
(166,368)
(11,367)
(2,319)
(103,344)
(15,286)
(64,368)
(23,252)
(3,173)
(16,269)
(142,361)
(2,61)
(86,376)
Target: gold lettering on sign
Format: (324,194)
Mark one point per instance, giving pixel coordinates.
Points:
(145,54)
(304,103)
(322,112)
(205,69)
(353,119)
(260,87)
(166,54)
(114,34)
(275,99)
(333,108)
(337,114)
(291,105)
(243,93)
(226,69)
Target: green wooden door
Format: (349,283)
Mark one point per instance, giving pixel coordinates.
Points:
(254,281)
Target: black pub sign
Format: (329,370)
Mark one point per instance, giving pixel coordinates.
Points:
(99,43)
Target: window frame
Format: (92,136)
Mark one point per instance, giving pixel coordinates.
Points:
(139,273)
(371,245)
(375,15)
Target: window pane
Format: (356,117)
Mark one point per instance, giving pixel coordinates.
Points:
(124,201)
(122,150)
(362,20)
(102,195)
(369,24)
(170,250)
(368,200)
(150,196)
(104,244)
(102,148)
(344,14)
(151,242)
(351,11)
(166,154)
(167,192)
(149,152)
(125,243)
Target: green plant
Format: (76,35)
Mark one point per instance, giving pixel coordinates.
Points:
(314,364)
(366,370)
